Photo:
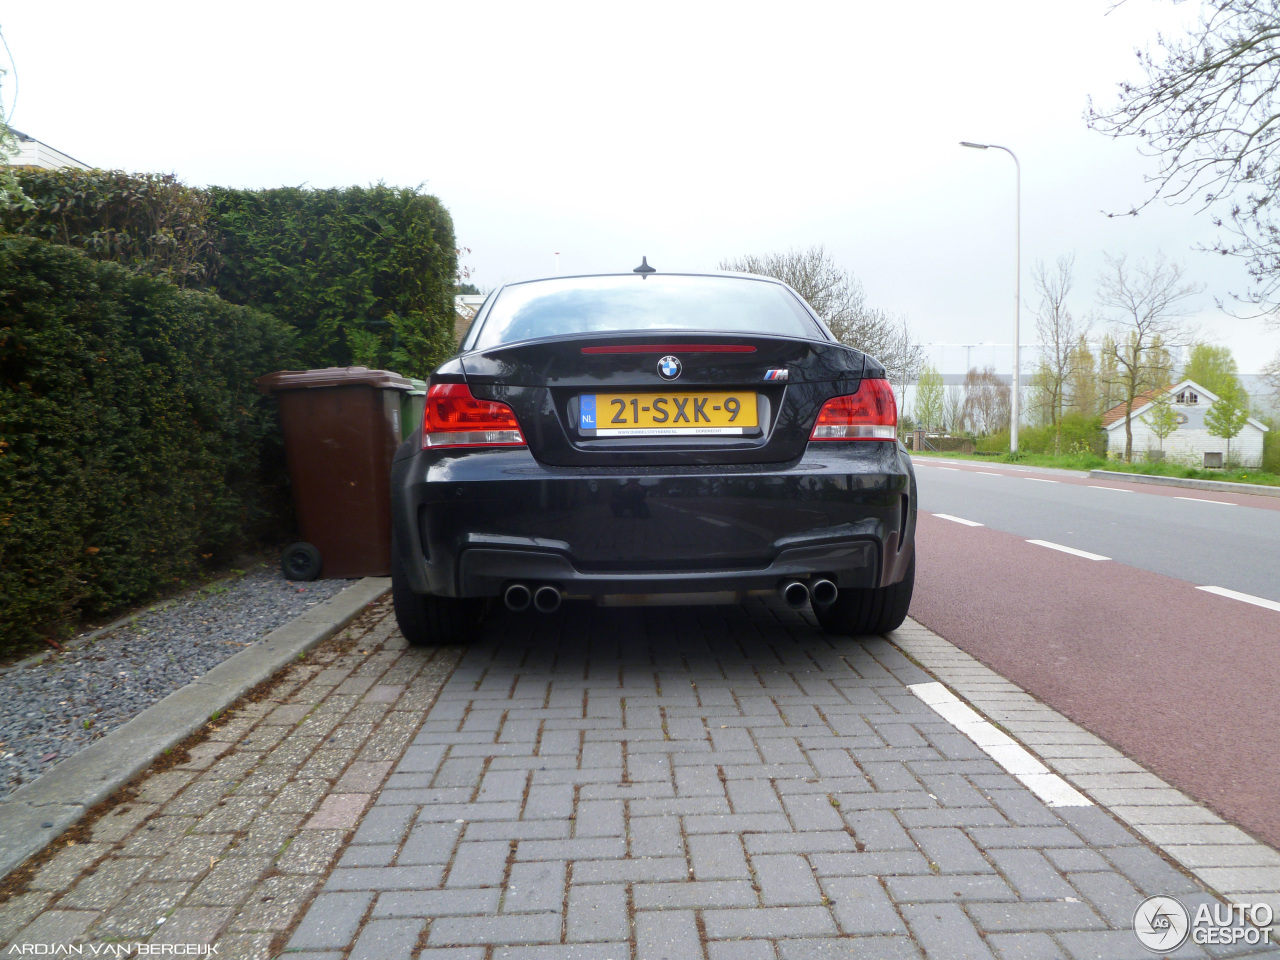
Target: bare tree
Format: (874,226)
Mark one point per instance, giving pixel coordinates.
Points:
(1059,332)
(953,410)
(1271,376)
(836,295)
(904,355)
(1209,110)
(1146,304)
(987,406)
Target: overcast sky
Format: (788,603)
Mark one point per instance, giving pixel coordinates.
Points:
(687,132)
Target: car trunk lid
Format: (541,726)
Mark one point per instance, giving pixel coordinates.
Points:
(664,398)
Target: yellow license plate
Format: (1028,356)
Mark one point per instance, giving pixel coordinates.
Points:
(667,414)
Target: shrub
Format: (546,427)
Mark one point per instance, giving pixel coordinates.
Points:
(132,440)
(1081,435)
(150,222)
(994,442)
(366,275)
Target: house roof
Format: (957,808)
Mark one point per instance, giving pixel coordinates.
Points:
(1114,417)
(1140,402)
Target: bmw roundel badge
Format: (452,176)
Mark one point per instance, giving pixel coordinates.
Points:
(668,368)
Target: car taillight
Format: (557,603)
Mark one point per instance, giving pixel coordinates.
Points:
(452,417)
(869,414)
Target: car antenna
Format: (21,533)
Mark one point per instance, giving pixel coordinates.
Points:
(644,267)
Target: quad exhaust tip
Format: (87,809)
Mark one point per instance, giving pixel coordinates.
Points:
(823,592)
(517,597)
(795,593)
(546,599)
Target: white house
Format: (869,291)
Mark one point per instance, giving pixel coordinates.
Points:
(34,153)
(465,308)
(1191,442)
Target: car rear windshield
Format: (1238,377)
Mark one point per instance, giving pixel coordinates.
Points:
(612,304)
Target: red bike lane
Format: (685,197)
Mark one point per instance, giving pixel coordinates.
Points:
(1184,682)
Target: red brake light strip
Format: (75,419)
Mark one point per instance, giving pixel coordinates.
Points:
(672,348)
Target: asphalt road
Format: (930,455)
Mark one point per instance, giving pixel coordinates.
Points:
(1185,681)
(1204,537)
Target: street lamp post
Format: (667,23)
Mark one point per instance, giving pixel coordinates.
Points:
(1017,290)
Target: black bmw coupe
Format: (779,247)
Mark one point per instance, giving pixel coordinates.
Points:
(652,438)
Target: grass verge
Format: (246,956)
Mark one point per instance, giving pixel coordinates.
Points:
(1088,461)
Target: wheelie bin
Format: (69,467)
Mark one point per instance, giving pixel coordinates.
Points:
(412,403)
(341,428)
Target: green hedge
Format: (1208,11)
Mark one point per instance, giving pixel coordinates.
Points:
(133,445)
(366,275)
(148,221)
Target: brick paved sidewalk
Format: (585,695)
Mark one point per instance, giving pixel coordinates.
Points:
(229,847)
(660,783)
(721,783)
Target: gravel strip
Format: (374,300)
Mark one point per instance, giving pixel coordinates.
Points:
(60,705)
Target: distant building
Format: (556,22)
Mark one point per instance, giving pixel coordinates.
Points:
(465,307)
(1191,443)
(34,153)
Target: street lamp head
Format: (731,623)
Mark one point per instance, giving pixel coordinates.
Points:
(1017,287)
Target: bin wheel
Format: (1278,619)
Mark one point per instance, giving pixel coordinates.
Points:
(428,621)
(300,561)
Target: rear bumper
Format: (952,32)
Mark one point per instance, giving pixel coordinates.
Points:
(465,526)
(484,571)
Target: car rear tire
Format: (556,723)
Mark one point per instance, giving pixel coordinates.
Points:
(874,610)
(429,621)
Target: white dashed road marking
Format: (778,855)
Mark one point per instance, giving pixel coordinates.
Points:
(1071,550)
(1225,503)
(985,474)
(1039,479)
(1243,597)
(967,523)
(1098,486)
(1000,747)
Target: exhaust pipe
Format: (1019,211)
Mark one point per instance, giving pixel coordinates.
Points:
(546,599)
(823,592)
(517,597)
(795,593)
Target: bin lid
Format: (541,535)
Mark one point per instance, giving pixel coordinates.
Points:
(332,377)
